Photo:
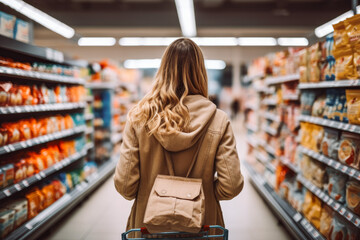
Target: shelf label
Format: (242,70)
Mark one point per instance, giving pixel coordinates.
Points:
(38,177)
(11,147)
(349,216)
(352,172)
(29,226)
(344,169)
(18,187)
(318,191)
(342,211)
(330,201)
(297,217)
(26,184)
(42,174)
(7,192)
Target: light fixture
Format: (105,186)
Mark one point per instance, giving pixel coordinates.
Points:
(40,17)
(186,14)
(327,28)
(215,41)
(97,41)
(146,41)
(257,41)
(292,41)
(155,63)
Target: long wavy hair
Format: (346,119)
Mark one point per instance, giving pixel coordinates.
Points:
(181,73)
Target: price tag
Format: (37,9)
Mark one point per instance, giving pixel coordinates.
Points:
(322,195)
(29,143)
(11,110)
(352,128)
(342,211)
(344,169)
(18,187)
(26,184)
(346,127)
(3,110)
(321,158)
(38,177)
(57,167)
(341,125)
(7,192)
(326,198)
(352,172)
(349,216)
(337,165)
(6,148)
(312,188)
(357,222)
(42,174)
(330,201)
(318,191)
(18,109)
(316,234)
(23,144)
(331,162)
(297,217)
(11,147)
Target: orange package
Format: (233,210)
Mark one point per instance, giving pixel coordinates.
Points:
(34,127)
(15,96)
(4,93)
(30,167)
(340,36)
(43,130)
(344,65)
(12,132)
(47,157)
(33,204)
(69,122)
(36,95)
(37,162)
(352,26)
(25,130)
(57,91)
(49,194)
(3,136)
(59,189)
(19,170)
(27,98)
(60,122)
(41,199)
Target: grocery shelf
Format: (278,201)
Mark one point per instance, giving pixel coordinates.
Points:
(265,161)
(267,147)
(249,79)
(289,97)
(41,108)
(40,140)
(330,123)
(11,190)
(331,84)
(102,85)
(269,102)
(297,225)
(282,79)
(336,206)
(89,116)
(289,164)
(331,163)
(272,117)
(270,130)
(89,130)
(252,128)
(45,219)
(115,138)
(38,76)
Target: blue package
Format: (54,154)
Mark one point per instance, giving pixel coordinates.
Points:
(7,24)
(22,31)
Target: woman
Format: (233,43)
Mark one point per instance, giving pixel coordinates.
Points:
(173,116)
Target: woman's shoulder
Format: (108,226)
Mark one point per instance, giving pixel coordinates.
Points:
(220,121)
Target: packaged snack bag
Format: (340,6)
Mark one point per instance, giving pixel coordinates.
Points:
(44,126)
(45,94)
(352,25)
(30,167)
(315,57)
(319,106)
(3,136)
(356,50)
(49,193)
(353,196)
(69,122)
(33,201)
(317,174)
(338,229)
(353,105)
(4,93)
(349,149)
(41,199)
(344,64)
(331,95)
(340,107)
(15,96)
(26,95)
(47,157)
(34,127)
(326,220)
(330,143)
(341,39)
(336,185)
(13,133)
(59,189)
(307,100)
(25,130)
(37,161)
(9,173)
(21,211)
(6,221)
(36,95)
(19,171)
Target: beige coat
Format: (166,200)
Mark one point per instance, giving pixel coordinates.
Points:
(142,159)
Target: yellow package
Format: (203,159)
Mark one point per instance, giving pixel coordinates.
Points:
(344,65)
(340,35)
(357,59)
(353,105)
(353,30)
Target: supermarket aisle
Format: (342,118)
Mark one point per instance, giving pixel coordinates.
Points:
(104,215)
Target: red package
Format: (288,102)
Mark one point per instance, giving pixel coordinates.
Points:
(25,130)
(3,136)
(4,93)
(27,98)
(15,96)
(13,133)
(34,127)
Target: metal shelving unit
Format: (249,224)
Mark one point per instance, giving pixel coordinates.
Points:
(294,221)
(9,148)
(282,79)
(41,108)
(331,84)
(331,124)
(39,224)
(336,206)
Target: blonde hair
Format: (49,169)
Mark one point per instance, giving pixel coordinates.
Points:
(181,73)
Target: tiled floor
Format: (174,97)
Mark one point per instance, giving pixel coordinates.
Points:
(104,215)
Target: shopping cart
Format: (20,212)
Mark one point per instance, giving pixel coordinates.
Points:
(203,234)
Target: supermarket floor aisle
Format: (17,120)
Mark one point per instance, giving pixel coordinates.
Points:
(104,215)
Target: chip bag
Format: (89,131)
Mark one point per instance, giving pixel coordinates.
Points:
(344,63)
(352,26)
(353,105)
(340,36)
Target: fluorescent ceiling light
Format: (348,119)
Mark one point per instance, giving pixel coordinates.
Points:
(40,17)
(293,41)
(146,41)
(186,14)
(97,41)
(327,28)
(215,64)
(155,63)
(257,41)
(215,41)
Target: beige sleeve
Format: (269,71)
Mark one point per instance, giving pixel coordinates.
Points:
(127,173)
(230,181)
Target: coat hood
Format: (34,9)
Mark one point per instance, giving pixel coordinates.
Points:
(201,111)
